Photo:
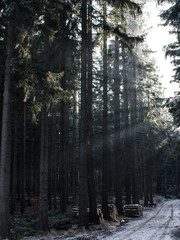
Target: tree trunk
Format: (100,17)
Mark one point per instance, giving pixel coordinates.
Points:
(67,153)
(44,171)
(75,168)
(14,167)
(23,160)
(6,142)
(30,161)
(158,175)
(105,188)
(135,182)
(44,149)
(177,182)
(117,139)
(144,159)
(150,181)
(54,158)
(36,160)
(90,163)
(165,180)
(64,142)
(150,170)
(50,160)
(83,192)
(126,131)
(62,161)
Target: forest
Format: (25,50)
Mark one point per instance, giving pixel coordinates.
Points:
(83,118)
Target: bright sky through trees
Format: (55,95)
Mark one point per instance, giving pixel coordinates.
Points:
(157,38)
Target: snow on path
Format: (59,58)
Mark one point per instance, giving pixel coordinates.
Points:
(161,224)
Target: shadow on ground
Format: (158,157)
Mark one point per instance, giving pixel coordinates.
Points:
(176,233)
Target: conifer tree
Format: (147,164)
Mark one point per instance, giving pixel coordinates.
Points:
(83,185)
(6,139)
(171,17)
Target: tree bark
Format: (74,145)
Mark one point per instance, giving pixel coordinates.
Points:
(83,190)
(105,188)
(36,160)
(50,160)
(75,168)
(54,159)
(135,182)
(144,159)
(14,167)
(126,130)
(165,179)
(64,142)
(30,162)
(117,139)
(44,148)
(90,161)
(6,141)
(23,160)
(177,176)
(44,171)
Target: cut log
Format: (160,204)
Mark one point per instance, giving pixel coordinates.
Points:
(133,210)
(112,212)
(75,211)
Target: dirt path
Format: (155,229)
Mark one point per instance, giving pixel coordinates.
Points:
(162,223)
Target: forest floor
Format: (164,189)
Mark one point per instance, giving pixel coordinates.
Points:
(157,223)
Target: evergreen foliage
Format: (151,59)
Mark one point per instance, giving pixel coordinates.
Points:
(171,17)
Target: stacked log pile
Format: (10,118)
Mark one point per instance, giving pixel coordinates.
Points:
(133,210)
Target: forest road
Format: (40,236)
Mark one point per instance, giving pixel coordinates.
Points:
(163,223)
